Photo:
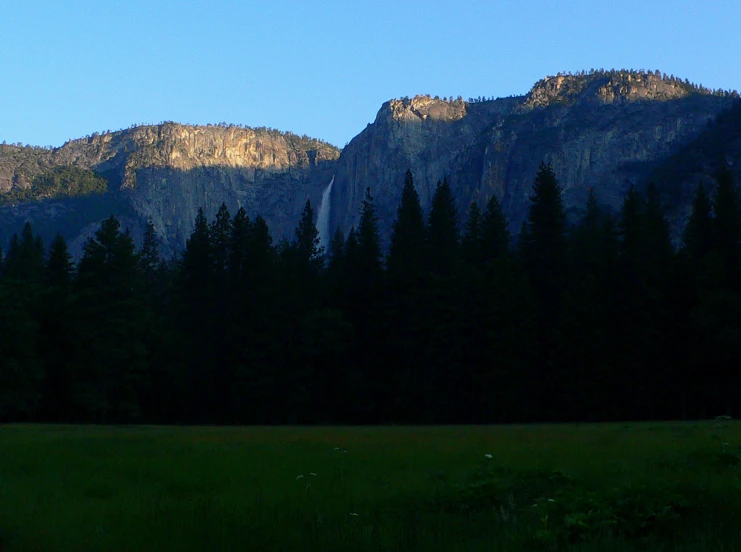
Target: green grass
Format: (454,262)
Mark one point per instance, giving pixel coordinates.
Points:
(648,486)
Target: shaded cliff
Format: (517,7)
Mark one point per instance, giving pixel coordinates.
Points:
(698,161)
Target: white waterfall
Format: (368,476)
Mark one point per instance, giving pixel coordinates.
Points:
(322,218)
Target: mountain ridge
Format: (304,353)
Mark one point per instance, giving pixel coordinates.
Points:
(603,129)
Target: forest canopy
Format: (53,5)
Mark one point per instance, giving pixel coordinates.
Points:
(458,323)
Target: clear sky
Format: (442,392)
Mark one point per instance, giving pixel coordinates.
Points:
(323,68)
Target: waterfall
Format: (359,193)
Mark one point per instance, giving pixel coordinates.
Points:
(322,218)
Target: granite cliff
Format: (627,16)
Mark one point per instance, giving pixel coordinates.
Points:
(165,173)
(605,129)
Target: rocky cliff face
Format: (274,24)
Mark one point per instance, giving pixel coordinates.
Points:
(167,172)
(610,88)
(430,137)
(605,130)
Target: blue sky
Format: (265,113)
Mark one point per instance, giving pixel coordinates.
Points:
(323,68)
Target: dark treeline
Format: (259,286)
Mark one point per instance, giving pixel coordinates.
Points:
(457,323)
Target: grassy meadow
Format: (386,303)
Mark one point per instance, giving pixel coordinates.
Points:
(647,486)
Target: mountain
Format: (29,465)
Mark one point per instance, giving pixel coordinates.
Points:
(603,129)
(166,173)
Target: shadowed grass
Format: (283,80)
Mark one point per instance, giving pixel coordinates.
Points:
(649,486)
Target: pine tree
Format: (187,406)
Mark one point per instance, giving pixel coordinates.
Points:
(57,341)
(695,276)
(657,239)
(25,261)
(239,246)
(155,287)
(644,263)
(585,247)
(403,305)
(110,357)
(222,314)
(296,313)
(583,335)
(351,249)
(443,237)
(336,384)
(369,241)
(59,269)
(196,269)
(543,252)
(495,234)
(21,305)
(658,265)
(237,338)
(699,234)
(442,312)
(307,239)
(337,245)
(366,284)
(630,228)
(542,239)
(504,377)
(196,289)
(150,263)
(408,233)
(716,319)
(256,352)
(13,253)
(363,288)
(21,371)
(219,232)
(492,320)
(632,320)
(197,258)
(473,236)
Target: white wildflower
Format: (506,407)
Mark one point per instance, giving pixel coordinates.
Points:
(488,456)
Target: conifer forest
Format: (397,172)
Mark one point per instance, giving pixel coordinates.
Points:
(460,320)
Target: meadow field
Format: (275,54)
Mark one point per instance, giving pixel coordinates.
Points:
(643,486)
